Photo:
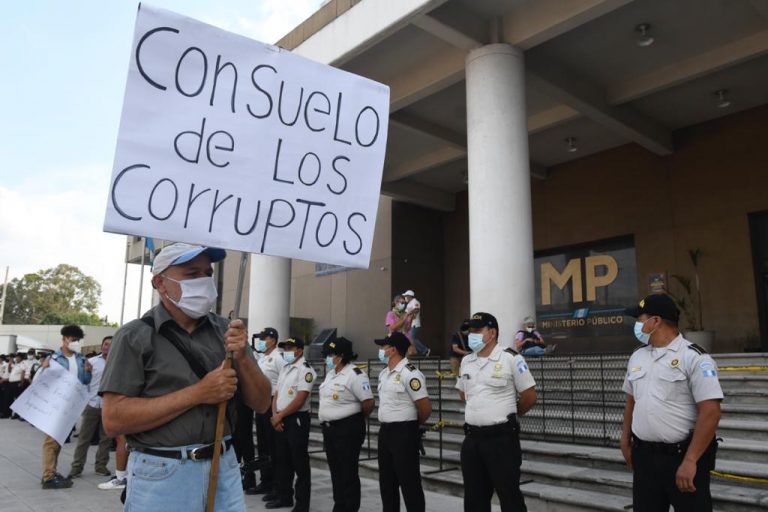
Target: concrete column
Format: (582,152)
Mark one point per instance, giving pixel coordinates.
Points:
(269,294)
(500,219)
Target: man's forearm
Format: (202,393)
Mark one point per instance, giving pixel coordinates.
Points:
(256,389)
(127,415)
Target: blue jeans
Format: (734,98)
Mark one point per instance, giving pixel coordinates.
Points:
(162,483)
(420,347)
(533,351)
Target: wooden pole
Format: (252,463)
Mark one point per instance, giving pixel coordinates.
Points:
(214,477)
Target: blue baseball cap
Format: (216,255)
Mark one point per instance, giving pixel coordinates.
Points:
(179,253)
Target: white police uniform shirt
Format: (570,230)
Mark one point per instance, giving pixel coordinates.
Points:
(398,389)
(97,369)
(295,377)
(271,364)
(666,384)
(342,393)
(491,385)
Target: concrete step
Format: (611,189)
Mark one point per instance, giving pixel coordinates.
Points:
(557,485)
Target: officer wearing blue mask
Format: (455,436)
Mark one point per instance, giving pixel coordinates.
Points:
(271,362)
(290,419)
(497,386)
(346,401)
(403,405)
(671,414)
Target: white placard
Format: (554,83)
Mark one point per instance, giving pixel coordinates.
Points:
(228,142)
(54,402)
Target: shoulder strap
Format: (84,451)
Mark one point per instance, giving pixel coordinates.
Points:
(193,363)
(511,351)
(411,367)
(357,370)
(696,348)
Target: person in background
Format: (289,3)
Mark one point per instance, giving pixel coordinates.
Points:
(529,342)
(5,373)
(459,347)
(346,401)
(670,419)
(404,406)
(290,419)
(413,311)
(72,360)
(15,381)
(31,365)
(497,387)
(90,421)
(121,463)
(271,362)
(396,318)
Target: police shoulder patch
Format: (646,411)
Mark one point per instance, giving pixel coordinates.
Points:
(415,384)
(696,348)
(357,370)
(511,351)
(411,367)
(309,377)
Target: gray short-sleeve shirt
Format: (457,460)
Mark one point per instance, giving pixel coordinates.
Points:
(142,363)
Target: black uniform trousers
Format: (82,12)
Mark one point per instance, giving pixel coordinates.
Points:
(11,392)
(242,437)
(490,461)
(291,456)
(653,485)
(399,466)
(342,440)
(265,445)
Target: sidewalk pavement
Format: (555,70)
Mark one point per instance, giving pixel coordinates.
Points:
(20,490)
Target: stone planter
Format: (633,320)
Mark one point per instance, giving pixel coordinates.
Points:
(704,339)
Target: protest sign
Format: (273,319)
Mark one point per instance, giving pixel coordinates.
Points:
(228,142)
(54,402)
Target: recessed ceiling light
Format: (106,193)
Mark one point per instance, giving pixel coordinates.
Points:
(722,98)
(570,145)
(644,38)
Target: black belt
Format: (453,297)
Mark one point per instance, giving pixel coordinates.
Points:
(492,430)
(201,453)
(349,419)
(657,447)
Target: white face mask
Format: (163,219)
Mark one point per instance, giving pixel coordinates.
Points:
(74,346)
(198,296)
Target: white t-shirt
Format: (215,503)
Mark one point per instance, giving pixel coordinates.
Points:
(72,365)
(16,371)
(413,304)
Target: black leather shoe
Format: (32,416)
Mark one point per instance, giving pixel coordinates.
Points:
(248,481)
(262,488)
(279,504)
(59,482)
(270,496)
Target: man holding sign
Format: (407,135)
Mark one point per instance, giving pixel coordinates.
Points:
(71,359)
(164,379)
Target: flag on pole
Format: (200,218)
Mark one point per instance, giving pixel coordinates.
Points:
(149,243)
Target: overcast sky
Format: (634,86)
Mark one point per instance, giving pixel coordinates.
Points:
(64,66)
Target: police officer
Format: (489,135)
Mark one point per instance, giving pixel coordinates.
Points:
(497,386)
(671,415)
(404,405)
(345,401)
(271,362)
(290,419)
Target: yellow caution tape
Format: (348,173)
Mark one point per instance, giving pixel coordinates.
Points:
(739,478)
(443,423)
(743,369)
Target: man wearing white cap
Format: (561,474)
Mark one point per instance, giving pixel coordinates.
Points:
(413,310)
(163,381)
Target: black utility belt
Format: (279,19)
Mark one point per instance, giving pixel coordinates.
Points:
(357,417)
(491,430)
(658,447)
(201,453)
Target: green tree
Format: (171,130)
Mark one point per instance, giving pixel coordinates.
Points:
(58,295)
